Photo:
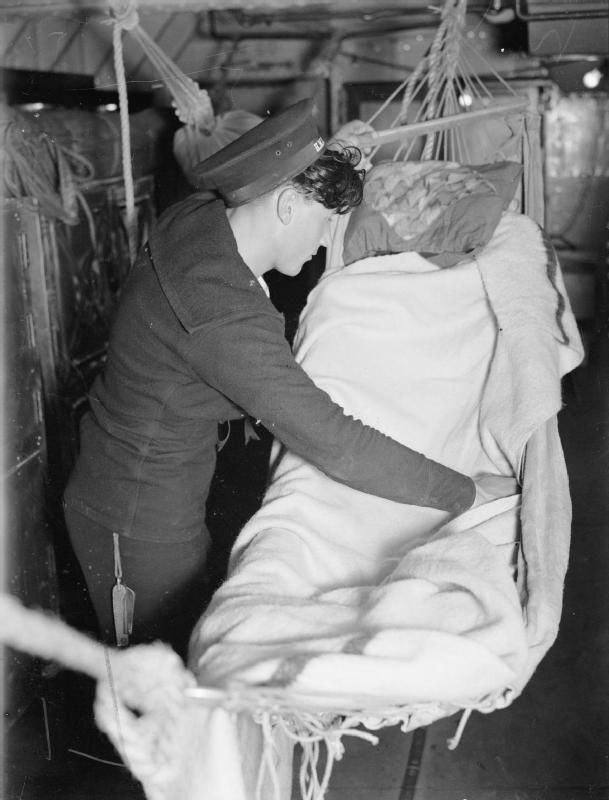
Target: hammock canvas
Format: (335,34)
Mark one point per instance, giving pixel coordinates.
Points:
(358,608)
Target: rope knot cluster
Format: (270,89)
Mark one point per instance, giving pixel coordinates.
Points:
(125,14)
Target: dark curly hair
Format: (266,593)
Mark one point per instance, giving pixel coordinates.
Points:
(332,180)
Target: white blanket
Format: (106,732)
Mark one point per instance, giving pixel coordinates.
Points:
(354,602)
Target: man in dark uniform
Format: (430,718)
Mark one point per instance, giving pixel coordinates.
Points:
(197,342)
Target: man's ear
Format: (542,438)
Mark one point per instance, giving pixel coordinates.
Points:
(287,200)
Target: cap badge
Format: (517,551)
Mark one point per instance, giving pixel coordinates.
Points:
(318,145)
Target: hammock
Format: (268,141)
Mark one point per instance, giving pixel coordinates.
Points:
(357,609)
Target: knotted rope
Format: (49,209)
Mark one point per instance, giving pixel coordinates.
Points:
(192,103)
(140,691)
(443,60)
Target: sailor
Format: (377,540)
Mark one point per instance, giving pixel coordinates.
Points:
(196,342)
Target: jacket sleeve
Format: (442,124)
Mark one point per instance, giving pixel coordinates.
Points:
(247,358)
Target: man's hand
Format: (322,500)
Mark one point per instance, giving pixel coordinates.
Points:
(349,134)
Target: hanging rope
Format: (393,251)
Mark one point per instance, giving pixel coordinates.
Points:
(202,133)
(443,60)
(125,18)
(191,103)
(454,97)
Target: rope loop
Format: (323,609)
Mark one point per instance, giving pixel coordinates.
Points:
(124,14)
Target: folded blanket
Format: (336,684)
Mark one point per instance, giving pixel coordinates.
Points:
(351,602)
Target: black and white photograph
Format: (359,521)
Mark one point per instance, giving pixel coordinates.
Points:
(304,399)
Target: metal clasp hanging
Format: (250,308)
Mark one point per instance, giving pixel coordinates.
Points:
(123,601)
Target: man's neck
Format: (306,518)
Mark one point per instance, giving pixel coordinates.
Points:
(253,236)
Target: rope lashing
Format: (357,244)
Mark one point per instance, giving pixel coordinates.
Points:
(443,60)
(444,96)
(125,14)
(192,103)
(436,74)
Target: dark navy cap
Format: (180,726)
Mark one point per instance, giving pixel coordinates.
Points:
(277,149)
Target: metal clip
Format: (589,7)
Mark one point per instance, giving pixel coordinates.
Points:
(123,601)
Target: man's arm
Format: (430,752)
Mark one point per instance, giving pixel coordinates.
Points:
(247,358)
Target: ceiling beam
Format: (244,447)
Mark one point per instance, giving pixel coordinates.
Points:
(23,7)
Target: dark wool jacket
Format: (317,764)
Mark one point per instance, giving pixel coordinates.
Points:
(196,342)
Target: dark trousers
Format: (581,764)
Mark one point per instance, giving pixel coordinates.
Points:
(168,580)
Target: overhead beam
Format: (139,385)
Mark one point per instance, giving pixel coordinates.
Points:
(23,7)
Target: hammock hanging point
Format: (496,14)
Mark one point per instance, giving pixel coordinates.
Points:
(443,98)
(200,115)
(203,132)
(124,14)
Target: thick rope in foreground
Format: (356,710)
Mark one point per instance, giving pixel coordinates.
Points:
(140,691)
(143,692)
